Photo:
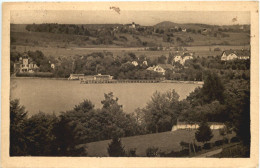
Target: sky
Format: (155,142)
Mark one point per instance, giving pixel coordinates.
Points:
(145,18)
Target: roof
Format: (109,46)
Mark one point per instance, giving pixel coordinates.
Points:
(166,66)
(238,52)
(187,54)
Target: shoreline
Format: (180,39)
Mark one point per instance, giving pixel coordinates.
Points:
(163,81)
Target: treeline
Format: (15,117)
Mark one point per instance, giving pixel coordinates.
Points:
(51,135)
(121,67)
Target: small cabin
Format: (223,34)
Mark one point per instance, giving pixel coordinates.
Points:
(76,76)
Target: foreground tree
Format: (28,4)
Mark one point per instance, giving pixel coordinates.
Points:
(18,140)
(39,133)
(161,112)
(213,88)
(204,133)
(115,148)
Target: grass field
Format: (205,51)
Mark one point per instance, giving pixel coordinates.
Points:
(166,142)
(202,51)
(66,45)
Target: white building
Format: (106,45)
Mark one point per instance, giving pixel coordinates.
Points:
(235,54)
(161,68)
(184,125)
(135,63)
(182,59)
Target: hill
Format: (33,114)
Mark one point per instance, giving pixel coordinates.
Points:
(168,24)
(165,141)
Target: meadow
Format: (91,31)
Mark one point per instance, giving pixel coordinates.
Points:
(66,45)
(165,141)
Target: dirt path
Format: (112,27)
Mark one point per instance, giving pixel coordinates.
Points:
(211,153)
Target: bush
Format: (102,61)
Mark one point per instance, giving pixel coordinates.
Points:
(197,148)
(219,142)
(207,146)
(225,140)
(152,152)
(132,153)
(234,139)
(182,153)
(115,148)
(36,74)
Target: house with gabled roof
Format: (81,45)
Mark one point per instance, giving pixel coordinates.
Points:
(183,58)
(161,68)
(235,54)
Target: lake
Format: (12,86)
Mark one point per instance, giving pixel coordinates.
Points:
(53,95)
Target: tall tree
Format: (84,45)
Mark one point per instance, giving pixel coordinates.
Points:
(204,133)
(213,88)
(115,148)
(18,118)
(162,111)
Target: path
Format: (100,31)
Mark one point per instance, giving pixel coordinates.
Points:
(211,153)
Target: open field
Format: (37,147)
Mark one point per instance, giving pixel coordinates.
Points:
(66,45)
(165,141)
(202,51)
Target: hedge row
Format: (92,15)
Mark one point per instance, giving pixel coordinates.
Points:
(36,74)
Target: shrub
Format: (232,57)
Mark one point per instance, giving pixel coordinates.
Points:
(184,145)
(123,37)
(219,142)
(132,152)
(115,148)
(182,153)
(217,49)
(36,74)
(152,152)
(207,146)
(225,140)
(204,133)
(234,139)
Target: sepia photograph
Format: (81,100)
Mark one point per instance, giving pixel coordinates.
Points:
(145,82)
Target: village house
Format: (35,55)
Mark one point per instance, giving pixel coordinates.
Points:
(53,66)
(235,54)
(187,126)
(145,63)
(161,68)
(135,63)
(204,32)
(182,59)
(25,64)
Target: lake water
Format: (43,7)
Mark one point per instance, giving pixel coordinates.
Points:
(51,95)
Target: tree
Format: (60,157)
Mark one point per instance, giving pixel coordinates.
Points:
(213,88)
(18,118)
(69,134)
(110,101)
(85,106)
(115,148)
(162,59)
(40,136)
(204,133)
(161,112)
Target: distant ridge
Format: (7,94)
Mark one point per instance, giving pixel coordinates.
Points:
(169,24)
